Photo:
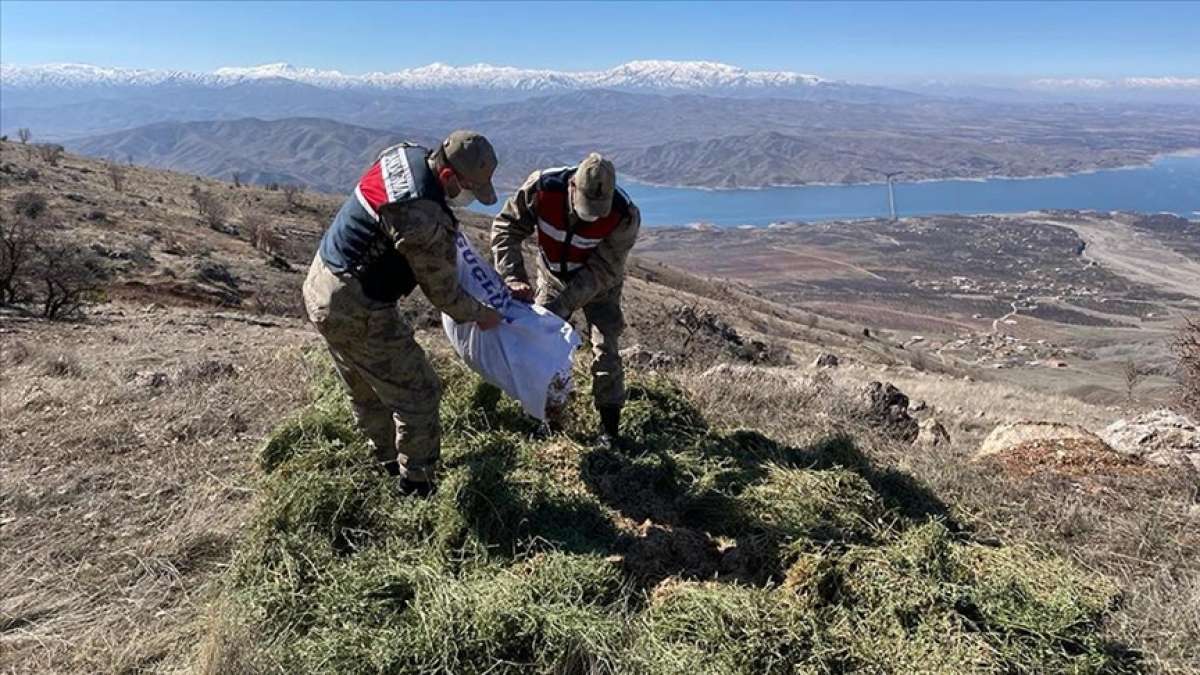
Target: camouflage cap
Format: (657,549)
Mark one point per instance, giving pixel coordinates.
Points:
(595,181)
(473,158)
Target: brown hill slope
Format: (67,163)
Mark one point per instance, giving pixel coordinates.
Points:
(127,440)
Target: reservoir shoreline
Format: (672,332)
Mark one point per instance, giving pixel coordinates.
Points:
(1185,152)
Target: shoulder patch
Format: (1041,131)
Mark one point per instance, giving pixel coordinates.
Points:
(555,179)
(396,173)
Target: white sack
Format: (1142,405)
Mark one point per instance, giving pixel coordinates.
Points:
(528,355)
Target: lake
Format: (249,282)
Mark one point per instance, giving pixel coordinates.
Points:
(1171,184)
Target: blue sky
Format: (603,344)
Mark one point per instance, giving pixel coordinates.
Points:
(988,42)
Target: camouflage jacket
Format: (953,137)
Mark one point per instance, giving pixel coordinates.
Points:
(596,265)
(424,234)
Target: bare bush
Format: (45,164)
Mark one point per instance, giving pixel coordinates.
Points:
(17,242)
(50,153)
(66,280)
(24,134)
(116,175)
(1187,349)
(261,233)
(211,209)
(30,205)
(291,194)
(1132,374)
(696,320)
(237,179)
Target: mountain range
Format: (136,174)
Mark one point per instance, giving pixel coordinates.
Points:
(482,79)
(681,123)
(688,140)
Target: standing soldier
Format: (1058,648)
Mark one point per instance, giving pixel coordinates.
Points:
(586,227)
(396,232)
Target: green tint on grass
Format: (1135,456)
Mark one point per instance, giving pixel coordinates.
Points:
(518,564)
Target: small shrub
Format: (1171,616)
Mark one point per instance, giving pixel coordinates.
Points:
(1132,375)
(30,205)
(18,241)
(211,209)
(50,153)
(261,233)
(66,279)
(24,134)
(291,194)
(116,175)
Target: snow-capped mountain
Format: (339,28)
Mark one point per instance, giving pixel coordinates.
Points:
(1166,82)
(696,75)
(69,75)
(642,75)
(69,100)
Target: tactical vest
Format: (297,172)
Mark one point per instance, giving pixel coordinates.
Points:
(566,244)
(356,244)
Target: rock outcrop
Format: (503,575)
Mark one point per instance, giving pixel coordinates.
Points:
(931,433)
(641,357)
(1017,435)
(887,408)
(1159,437)
(826,361)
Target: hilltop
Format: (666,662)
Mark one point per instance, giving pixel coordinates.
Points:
(181,454)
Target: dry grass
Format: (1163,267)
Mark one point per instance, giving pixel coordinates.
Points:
(1140,528)
(122,494)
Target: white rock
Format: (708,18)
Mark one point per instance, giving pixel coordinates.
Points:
(1007,437)
(931,433)
(1160,437)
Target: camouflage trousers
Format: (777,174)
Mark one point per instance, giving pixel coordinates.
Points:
(394,391)
(606,322)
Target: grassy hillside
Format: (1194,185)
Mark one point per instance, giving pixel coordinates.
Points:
(705,549)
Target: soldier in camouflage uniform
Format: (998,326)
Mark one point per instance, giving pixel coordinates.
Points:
(586,227)
(396,232)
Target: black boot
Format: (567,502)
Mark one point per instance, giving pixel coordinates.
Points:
(406,487)
(610,425)
(418,488)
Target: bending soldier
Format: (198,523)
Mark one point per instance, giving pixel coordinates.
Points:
(586,227)
(396,232)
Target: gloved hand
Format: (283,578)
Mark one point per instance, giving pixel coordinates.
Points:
(521,291)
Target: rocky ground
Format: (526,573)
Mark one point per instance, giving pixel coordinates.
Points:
(1058,300)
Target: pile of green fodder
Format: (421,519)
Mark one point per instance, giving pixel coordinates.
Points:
(812,559)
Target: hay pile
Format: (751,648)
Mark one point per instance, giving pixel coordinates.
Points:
(702,551)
